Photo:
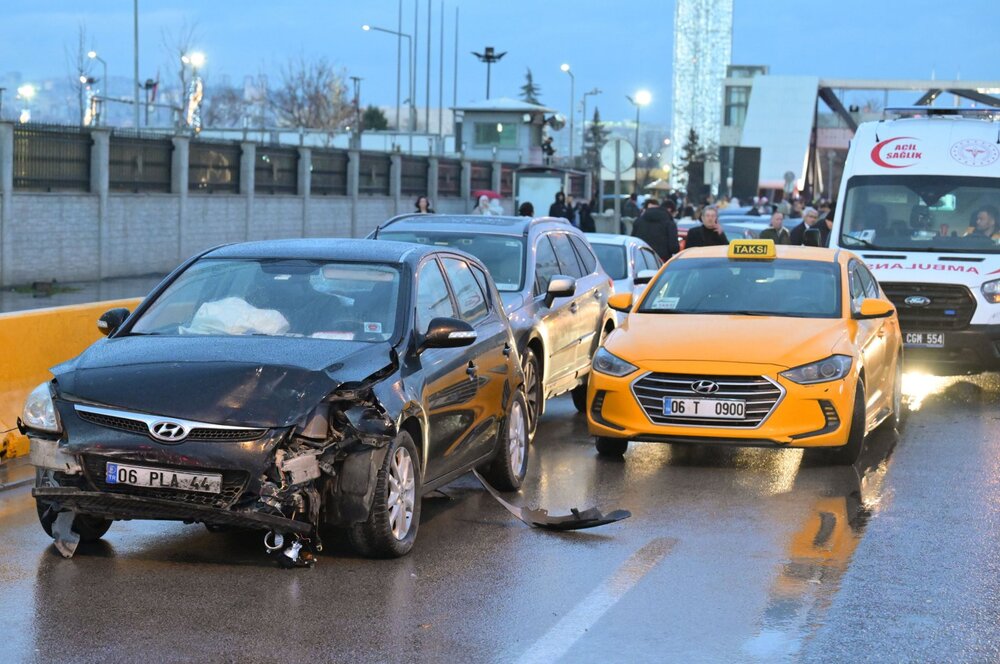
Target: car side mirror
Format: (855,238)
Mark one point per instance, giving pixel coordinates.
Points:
(621,302)
(111,320)
(448,333)
(872,307)
(644,277)
(812,238)
(559,286)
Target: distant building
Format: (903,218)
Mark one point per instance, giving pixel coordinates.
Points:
(703,45)
(510,129)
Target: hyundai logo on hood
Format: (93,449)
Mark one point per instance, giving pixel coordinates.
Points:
(168,432)
(917,301)
(705,386)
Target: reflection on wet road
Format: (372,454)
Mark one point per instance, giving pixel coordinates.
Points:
(730,555)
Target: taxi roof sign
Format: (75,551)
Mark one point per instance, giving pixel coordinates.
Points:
(752,249)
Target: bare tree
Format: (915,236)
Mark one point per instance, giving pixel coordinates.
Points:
(178,45)
(226,106)
(78,67)
(311,94)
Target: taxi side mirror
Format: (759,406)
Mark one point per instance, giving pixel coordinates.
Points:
(621,302)
(875,308)
(644,277)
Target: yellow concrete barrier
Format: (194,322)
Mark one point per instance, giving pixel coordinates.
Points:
(30,343)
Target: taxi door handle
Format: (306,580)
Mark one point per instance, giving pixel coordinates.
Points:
(471,370)
(574,307)
(881,332)
(506,350)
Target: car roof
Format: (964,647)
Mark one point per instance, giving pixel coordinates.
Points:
(614,238)
(784,251)
(500,225)
(376,251)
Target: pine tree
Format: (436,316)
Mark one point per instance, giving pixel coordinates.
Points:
(594,139)
(374,119)
(693,156)
(530,91)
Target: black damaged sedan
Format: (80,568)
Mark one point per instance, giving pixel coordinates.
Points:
(285,386)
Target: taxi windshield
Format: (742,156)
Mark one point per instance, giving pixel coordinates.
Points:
(792,288)
(922,213)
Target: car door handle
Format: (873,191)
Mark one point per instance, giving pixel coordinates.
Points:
(574,307)
(597,294)
(471,370)
(881,332)
(506,350)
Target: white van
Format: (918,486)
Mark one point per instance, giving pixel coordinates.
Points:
(919,202)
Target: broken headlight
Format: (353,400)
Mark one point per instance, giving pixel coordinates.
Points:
(39,410)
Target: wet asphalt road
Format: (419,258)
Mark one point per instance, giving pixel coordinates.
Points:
(731,555)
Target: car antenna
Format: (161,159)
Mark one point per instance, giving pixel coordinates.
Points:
(377,229)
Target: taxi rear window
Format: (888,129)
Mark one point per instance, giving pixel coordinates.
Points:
(792,288)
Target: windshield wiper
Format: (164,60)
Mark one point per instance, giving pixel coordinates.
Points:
(863,242)
(735,312)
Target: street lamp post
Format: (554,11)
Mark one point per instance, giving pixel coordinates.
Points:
(572,111)
(409,49)
(489,56)
(583,123)
(642,98)
(26,93)
(104,92)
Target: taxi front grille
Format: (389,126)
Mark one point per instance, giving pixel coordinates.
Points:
(950,306)
(233,483)
(760,394)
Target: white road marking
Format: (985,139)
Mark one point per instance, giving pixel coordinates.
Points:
(555,643)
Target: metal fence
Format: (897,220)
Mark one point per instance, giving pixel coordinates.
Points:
(482,176)
(414,176)
(139,164)
(449,177)
(276,171)
(329,173)
(373,175)
(214,167)
(51,158)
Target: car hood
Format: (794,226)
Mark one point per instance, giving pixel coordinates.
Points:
(783,342)
(259,382)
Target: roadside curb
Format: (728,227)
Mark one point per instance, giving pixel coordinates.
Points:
(16,473)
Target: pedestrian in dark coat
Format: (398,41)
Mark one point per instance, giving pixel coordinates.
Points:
(560,209)
(810,220)
(658,229)
(587,223)
(710,233)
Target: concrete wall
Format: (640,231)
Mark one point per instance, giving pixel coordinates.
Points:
(96,235)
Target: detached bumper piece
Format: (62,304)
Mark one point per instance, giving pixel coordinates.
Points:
(122,506)
(540,518)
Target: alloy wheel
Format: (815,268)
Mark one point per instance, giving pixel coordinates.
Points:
(517,437)
(402,493)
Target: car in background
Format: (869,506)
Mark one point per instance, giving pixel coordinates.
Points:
(283,386)
(736,226)
(552,286)
(755,345)
(624,257)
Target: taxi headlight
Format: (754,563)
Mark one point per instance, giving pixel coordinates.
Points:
(991,291)
(612,365)
(834,367)
(39,411)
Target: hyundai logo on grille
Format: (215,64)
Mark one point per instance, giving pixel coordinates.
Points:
(705,387)
(917,301)
(170,432)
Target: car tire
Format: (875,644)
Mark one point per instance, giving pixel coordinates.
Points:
(507,469)
(389,532)
(533,392)
(895,421)
(611,447)
(849,453)
(580,397)
(90,528)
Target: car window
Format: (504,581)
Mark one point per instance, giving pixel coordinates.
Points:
(471,299)
(569,265)
(612,257)
(433,300)
(857,288)
(503,255)
(868,281)
(584,253)
(546,265)
(484,283)
(648,260)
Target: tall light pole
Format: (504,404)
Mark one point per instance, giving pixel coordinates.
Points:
(572,111)
(135,59)
(642,98)
(592,93)
(104,92)
(399,60)
(489,56)
(409,48)
(26,93)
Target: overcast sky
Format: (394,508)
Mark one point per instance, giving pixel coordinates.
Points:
(616,46)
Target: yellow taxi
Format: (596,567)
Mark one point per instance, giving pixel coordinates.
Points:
(750,344)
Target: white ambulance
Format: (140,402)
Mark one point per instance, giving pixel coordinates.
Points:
(919,202)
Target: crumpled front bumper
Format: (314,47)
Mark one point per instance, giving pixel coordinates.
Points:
(124,506)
